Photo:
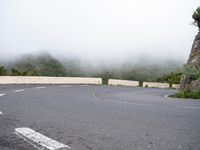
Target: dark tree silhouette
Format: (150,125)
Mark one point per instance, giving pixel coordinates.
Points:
(196,17)
(2,71)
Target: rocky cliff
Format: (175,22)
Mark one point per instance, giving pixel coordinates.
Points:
(194,58)
(191,78)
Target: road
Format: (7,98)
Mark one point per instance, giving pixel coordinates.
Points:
(98,118)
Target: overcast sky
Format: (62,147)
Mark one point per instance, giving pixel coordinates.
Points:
(98,29)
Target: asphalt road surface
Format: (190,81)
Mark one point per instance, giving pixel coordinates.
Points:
(98,118)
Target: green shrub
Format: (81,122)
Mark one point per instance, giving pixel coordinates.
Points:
(3,71)
(172,78)
(188,94)
(15,72)
(192,72)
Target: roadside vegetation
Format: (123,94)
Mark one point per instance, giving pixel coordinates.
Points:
(192,73)
(171,78)
(196,17)
(188,94)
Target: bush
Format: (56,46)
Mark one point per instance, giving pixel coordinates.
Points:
(172,78)
(192,71)
(15,72)
(188,94)
(3,71)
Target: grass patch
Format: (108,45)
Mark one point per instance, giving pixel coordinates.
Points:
(188,94)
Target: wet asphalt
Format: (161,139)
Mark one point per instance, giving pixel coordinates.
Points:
(99,117)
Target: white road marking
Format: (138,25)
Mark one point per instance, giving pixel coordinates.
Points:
(16,91)
(40,87)
(63,86)
(38,140)
(94,95)
(2,94)
(130,103)
(166,96)
(190,107)
(83,85)
(121,102)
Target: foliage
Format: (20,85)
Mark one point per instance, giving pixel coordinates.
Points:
(48,66)
(105,75)
(139,73)
(188,94)
(172,78)
(42,65)
(196,17)
(192,71)
(3,71)
(15,72)
(30,73)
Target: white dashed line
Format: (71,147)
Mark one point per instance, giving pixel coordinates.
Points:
(16,91)
(40,87)
(2,94)
(38,140)
(189,107)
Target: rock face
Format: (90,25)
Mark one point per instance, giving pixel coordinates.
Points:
(188,83)
(194,58)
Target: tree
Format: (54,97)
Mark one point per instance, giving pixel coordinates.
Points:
(2,71)
(46,65)
(196,17)
(15,72)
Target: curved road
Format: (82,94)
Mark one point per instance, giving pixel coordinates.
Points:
(98,117)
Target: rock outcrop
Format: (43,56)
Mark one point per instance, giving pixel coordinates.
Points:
(188,81)
(194,58)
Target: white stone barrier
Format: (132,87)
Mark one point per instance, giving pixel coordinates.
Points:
(123,82)
(48,80)
(156,85)
(176,86)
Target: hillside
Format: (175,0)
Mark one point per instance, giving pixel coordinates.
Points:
(47,65)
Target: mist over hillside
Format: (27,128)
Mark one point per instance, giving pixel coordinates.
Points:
(45,64)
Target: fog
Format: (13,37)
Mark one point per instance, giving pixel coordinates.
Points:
(101,31)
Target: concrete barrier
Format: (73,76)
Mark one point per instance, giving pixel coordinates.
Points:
(176,86)
(156,85)
(48,80)
(123,82)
